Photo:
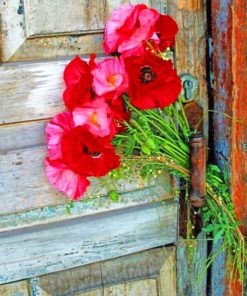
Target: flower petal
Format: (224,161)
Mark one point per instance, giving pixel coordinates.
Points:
(55,129)
(65,180)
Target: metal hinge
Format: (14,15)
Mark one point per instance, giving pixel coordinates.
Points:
(210,57)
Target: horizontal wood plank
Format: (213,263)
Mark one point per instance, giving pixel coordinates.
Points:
(23,184)
(48,248)
(84,207)
(31,90)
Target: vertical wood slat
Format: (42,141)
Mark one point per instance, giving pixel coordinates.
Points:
(230,137)
(191,58)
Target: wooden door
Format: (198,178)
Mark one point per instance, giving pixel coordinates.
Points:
(40,242)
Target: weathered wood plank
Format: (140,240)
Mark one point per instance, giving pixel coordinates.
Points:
(167,279)
(23,184)
(229,37)
(191,45)
(191,267)
(31,90)
(136,288)
(39,250)
(156,263)
(91,206)
(44,18)
(22,136)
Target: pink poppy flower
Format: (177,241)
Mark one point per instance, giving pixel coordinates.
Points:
(109,78)
(96,115)
(128,28)
(55,129)
(64,179)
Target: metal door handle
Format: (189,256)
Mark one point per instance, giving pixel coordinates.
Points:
(197,170)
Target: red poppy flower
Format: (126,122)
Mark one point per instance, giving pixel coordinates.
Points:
(74,153)
(78,79)
(166,29)
(119,114)
(153,83)
(88,155)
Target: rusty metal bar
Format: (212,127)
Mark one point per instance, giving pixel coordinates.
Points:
(197,170)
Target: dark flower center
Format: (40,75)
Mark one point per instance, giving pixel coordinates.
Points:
(93,154)
(147,74)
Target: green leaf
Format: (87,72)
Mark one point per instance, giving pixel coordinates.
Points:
(218,235)
(209,228)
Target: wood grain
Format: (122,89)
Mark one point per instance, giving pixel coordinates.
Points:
(190,47)
(15,289)
(31,90)
(157,265)
(44,18)
(229,37)
(52,213)
(136,288)
(31,252)
(191,264)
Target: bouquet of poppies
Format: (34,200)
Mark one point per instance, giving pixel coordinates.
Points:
(80,140)
(125,117)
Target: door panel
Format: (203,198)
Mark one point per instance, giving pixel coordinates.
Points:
(147,273)
(37,236)
(33,29)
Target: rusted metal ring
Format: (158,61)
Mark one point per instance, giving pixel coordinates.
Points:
(197,202)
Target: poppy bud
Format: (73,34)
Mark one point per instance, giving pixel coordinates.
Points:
(146,150)
(113,195)
(150,143)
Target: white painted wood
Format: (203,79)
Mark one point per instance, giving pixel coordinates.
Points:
(31,90)
(12,28)
(30,252)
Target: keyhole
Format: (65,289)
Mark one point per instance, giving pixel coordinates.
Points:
(188,86)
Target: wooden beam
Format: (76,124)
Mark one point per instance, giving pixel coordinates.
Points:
(229,35)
